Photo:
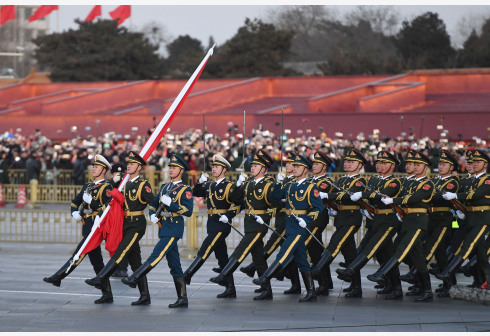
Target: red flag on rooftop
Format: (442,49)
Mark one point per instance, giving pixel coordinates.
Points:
(42,11)
(7,13)
(121,13)
(96,11)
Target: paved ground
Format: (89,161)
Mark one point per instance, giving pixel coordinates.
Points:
(29,304)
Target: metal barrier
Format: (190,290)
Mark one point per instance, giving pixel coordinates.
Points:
(41,226)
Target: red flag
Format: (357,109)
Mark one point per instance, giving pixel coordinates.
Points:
(121,13)
(96,11)
(42,11)
(7,13)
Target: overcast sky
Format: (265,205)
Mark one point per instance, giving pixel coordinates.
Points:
(223,21)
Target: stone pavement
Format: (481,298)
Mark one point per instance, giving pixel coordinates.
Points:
(27,304)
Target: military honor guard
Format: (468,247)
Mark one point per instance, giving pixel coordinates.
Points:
(303,205)
(255,195)
(137,195)
(84,207)
(384,225)
(175,201)
(276,239)
(477,201)
(347,220)
(415,203)
(221,210)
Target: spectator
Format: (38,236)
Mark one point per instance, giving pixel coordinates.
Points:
(33,167)
(80,167)
(4,168)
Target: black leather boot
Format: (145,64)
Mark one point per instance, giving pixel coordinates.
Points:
(60,274)
(347,289)
(193,268)
(467,268)
(106,272)
(294,277)
(322,289)
(380,275)
(231,267)
(144,292)
(182,301)
(266,293)
(388,287)
(451,268)
(328,277)
(427,295)
(397,292)
(268,274)
(248,270)
(106,293)
(310,287)
(356,291)
(410,277)
(357,264)
(216,270)
(325,261)
(230,291)
(132,281)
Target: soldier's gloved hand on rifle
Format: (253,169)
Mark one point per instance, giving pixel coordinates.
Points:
(279,178)
(365,213)
(117,177)
(387,200)
(323,195)
(76,215)
(240,180)
(97,220)
(332,212)
(165,200)
(356,196)
(301,222)
(259,220)
(154,218)
(223,219)
(87,198)
(460,214)
(449,196)
(203,178)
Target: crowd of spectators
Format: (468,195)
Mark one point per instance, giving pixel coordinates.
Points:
(37,153)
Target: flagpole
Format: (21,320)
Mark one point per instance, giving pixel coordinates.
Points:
(152,142)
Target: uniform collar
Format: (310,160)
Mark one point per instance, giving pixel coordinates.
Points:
(299,182)
(319,177)
(420,178)
(479,175)
(386,177)
(258,180)
(443,178)
(134,179)
(290,176)
(348,176)
(99,181)
(411,176)
(219,181)
(176,182)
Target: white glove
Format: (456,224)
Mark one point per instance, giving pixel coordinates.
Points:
(223,219)
(240,180)
(356,196)
(460,214)
(399,218)
(259,220)
(97,220)
(154,218)
(203,178)
(449,196)
(87,198)
(387,200)
(301,222)
(323,195)
(76,215)
(279,178)
(332,212)
(117,178)
(165,200)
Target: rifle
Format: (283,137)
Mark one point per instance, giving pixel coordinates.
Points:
(330,204)
(269,227)
(204,147)
(398,210)
(311,234)
(363,204)
(81,208)
(282,134)
(158,213)
(241,168)
(457,204)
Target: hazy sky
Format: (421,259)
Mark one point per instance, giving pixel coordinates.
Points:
(223,21)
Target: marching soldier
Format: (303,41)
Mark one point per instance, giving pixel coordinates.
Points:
(478,215)
(218,225)
(303,205)
(176,201)
(137,194)
(255,194)
(94,196)
(441,217)
(415,203)
(384,225)
(348,219)
(275,240)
